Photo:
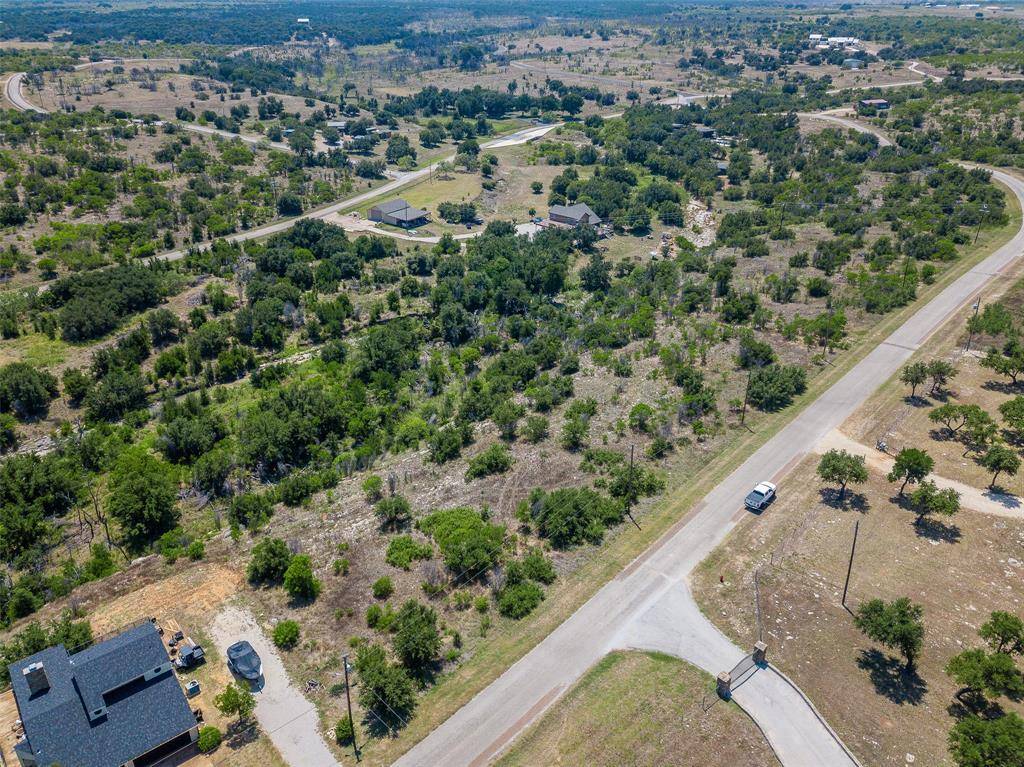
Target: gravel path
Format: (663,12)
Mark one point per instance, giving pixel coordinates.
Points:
(284,713)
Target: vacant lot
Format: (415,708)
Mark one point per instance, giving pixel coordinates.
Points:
(639,709)
(800,548)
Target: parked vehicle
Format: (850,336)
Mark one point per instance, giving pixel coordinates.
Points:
(244,661)
(190,655)
(759,498)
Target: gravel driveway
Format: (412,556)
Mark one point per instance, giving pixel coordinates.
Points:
(284,713)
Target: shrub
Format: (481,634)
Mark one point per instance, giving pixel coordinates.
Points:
(417,640)
(25,390)
(299,581)
(467,542)
(496,459)
(251,510)
(393,512)
(196,550)
(269,562)
(773,388)
(536,429)
(286,634)
(482,604)
(537,567)
(383,588)
(345,730)
(520,599)
(403,550)
(340,566)
(373,488)
(571,516)
(209,739)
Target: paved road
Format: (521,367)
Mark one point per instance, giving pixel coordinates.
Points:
(282,710)
(649,605)
(12,90)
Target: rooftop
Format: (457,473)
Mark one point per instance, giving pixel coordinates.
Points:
(401,210)
(104,705)
(576,211)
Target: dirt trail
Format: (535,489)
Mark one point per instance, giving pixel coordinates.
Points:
(984,501)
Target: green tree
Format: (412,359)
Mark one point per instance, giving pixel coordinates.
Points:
(1000,459)
(386,689)
(299,581)
(237,700)
(840,467)
(927,498)
(983,675)
(393,512)
(1003,632)
(142,497)
(25,390)
(209,739)
(417,640)
(978,742)
(895,624)
(941,372)
(913,375)
(1013,413)
(912,465)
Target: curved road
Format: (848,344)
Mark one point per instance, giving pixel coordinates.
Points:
(649,605)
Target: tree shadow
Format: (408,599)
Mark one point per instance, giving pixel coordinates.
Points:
(935,530)
(1003,387)
(892,679)
(1002,496)
(974,704)
(241,733)
(852,500)
(917,401)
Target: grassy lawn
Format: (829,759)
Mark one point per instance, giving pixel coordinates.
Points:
(508,644)
(36,349)
(636,708)
(801,546)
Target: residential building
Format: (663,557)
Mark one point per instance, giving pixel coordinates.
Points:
(874,103)
(398,213)
(573,215)
(117,703)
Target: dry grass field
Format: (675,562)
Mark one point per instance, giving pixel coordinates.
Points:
(642,710)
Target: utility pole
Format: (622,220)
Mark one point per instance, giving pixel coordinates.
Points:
(746,395)
(970,325)
(849,567)
(348,698)
(984,215)
(629,490)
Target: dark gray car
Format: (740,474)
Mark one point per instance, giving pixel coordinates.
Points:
(244,661)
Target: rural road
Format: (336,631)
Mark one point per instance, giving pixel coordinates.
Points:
(649,605)
(284,714)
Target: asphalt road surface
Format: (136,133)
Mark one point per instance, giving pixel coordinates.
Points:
(649,604)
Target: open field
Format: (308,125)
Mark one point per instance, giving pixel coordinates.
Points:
(800,549)
(642,709)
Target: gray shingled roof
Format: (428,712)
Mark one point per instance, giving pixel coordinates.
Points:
(129,677)
(401,210)
(575,212)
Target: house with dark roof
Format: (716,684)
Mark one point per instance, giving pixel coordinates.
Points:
(573,215)
(398,213)
(117,703)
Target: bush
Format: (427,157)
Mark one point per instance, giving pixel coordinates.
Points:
(537,567)
(773,388)
(373,488)
(26,391)
(345,731)
(520,599)
(536,429)
(496,459)
(270,561)
(468,543)
(383,588)
(393,512)
(286,634)
(209,739)
(571,516)
(250,510)
(299,581)
(196,550)
(417,640)
(403,550)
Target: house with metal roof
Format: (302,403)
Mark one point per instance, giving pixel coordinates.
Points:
(117,703)
(573,215)
(397,213)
